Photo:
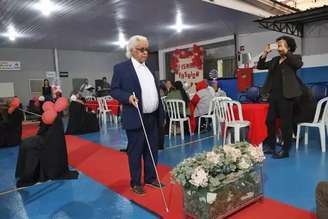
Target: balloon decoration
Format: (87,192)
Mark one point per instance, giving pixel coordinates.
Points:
(48,105)
(187,64)
(61,104)
(51,110)
(49,116)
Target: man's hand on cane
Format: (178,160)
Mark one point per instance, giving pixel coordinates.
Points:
(133,100)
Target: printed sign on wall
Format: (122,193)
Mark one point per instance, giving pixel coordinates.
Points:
(187,65)
(10,66)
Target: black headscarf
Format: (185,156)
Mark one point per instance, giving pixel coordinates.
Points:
(179,86)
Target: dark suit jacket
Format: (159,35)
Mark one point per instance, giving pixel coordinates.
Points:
(290,81)
(124,82)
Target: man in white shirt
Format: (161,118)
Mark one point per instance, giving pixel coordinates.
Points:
(133,76)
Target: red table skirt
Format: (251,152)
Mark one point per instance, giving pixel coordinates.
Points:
(113,105)
(256,114)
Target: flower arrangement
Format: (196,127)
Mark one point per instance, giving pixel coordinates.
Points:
(215,182)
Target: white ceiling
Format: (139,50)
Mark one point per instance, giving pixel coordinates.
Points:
(95,24)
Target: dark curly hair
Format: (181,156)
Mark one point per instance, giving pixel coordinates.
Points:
(290,42)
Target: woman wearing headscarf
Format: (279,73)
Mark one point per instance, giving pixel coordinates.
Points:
(178,93)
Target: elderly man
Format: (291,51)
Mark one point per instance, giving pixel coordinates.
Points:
(133,76)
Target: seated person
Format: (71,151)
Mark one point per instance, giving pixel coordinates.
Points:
(201,100)
(178,93)
(80,121)
(44,156)
(11,128)
(216,90)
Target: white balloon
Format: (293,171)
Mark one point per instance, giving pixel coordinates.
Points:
(41,98)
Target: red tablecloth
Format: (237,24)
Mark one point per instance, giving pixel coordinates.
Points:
(113,105)
(256,114)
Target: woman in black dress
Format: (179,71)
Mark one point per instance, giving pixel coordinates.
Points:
(46,90)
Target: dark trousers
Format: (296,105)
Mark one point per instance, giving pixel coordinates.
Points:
(138,149)
(322,200)
(280,108)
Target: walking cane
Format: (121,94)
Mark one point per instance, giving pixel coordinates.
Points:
(151,155)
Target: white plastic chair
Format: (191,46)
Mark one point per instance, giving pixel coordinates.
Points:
(90,98)
(320,121)
(173,107)
(219,112)
(163,103)
(103,110)
(231,122)
(210,115)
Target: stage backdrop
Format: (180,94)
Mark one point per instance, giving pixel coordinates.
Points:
(187,64)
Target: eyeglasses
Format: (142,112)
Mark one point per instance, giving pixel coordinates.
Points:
(142,50)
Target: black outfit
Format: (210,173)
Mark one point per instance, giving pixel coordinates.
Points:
(137,147)
(46,92)
(44,156)
(11,129)
(283,87)
(80,121)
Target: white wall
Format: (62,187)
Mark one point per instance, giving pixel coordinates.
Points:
(35,62)
(315,39)
(82,64)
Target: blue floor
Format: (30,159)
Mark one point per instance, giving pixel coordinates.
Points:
(290,181)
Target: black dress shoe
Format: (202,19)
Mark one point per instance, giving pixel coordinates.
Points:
(138,190)
(280,155)
(24,183)
(155,184)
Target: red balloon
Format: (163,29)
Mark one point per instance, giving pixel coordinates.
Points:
(11,109)
(15,102)
(48,105)
(61,104)
(48,117)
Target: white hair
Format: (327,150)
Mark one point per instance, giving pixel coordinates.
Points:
(132,42)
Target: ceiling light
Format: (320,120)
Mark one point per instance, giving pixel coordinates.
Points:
(46,7)
(11,33)
(121,40)
(179,26)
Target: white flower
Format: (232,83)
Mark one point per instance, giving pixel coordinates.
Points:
(232,153)
(211,197)
(256,153)
(199,177)
(213,157)
(243,164)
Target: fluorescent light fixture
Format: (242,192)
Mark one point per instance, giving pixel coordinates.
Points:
(11,33)
(179,26)
(121,40)
(46,7)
